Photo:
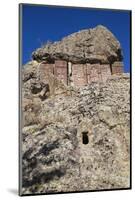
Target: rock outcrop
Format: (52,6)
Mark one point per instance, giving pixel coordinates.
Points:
(74,139)
(90,45)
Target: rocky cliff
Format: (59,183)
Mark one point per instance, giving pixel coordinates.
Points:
(56,156)
(90,45)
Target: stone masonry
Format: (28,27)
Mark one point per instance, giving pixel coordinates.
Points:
(80,74)
(90,55)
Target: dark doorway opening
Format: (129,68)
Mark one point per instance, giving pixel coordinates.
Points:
(85,138)
(111,68)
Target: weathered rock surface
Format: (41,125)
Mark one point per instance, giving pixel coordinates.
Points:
(90,45)
(54,120)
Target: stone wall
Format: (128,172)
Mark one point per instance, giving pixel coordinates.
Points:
(105,72)
(93,72)
(117,68)
(80,74)
(84,74)
(45,68)
(60,70)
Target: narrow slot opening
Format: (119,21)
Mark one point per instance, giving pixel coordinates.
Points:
(85,138)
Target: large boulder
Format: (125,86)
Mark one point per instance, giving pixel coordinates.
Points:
(90,45)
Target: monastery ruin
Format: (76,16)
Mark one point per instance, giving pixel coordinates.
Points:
(81,58)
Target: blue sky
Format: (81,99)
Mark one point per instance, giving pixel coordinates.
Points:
(43,23)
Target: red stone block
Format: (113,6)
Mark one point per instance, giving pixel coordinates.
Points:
(60,63)
(105,72)
(93,67)
(93,71)
(79,74)
(45,69)
(117,68)
(61,71)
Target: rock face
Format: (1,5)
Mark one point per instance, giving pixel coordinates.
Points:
(75,139)
(82,58)
(90,45)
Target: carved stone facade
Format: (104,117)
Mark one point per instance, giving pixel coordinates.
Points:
(61,70)
(80,74)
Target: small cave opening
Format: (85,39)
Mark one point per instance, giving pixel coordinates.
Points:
(111,68)
(85,138)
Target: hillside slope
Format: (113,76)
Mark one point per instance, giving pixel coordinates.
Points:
(55,119)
